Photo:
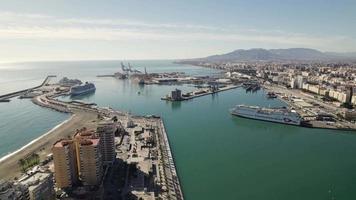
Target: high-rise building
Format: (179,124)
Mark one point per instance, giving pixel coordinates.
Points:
(106,132)
(293,83)
(78,159)
(40,186)
(65,163)
(90,161)
(300,82)
(81,134)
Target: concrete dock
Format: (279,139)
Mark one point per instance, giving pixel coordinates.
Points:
(6,97)
(200,93)
(174,187)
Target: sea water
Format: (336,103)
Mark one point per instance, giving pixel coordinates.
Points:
(217,155)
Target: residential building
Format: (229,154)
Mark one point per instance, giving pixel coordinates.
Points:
(90,161)
(10,191)
(81,134)
(106,132)
(293,83)
(314,88)
(341,96)
(300,81)
(65,163)
(353,99)
(40,186)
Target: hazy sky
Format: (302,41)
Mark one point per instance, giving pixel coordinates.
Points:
(165,29)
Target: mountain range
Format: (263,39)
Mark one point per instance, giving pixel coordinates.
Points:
(291,54)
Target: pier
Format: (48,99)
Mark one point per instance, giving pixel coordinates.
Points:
(6,97)
(174,188)
(198,93)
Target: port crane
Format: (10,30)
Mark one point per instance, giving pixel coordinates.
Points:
(129,68)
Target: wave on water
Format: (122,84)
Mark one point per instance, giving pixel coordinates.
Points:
(35,140)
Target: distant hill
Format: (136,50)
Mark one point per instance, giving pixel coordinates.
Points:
(292,54)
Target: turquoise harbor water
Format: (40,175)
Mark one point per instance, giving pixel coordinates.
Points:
(218,156)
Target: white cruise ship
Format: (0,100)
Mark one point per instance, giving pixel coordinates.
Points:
(279,115)
(82,89)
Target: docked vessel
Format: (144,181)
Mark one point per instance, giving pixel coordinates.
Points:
(82,89)
(271,95)
(69,82)
(279,115)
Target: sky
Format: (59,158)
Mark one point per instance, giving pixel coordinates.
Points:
(35,30)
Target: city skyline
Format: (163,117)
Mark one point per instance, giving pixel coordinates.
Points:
(66,30)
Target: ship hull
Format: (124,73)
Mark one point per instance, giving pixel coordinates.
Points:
(77,93)
(276,119)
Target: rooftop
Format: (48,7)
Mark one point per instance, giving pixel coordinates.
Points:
(62,143)
(84,133)
(34,179)
(90,142)
(10,191)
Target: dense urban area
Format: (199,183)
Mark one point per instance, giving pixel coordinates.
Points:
(324,93)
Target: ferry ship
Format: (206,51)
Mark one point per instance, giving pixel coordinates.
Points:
(82,89)
(279,115)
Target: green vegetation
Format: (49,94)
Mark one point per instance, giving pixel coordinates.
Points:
(30,161)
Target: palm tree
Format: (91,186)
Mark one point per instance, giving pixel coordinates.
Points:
(22,163)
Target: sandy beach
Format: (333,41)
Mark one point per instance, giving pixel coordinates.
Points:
(9,167)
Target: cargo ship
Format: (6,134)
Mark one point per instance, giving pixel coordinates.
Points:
(278,115)
(82,89)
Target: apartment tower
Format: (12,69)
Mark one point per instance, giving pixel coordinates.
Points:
(81,134)
(90,161)
(65,163)
(106,132)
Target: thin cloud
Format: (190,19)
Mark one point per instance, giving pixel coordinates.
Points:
(38,26)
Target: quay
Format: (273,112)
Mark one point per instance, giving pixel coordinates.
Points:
(177,96)
(6,97)
(170,169)
(315,114)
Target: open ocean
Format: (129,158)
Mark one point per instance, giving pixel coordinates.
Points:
(218,156)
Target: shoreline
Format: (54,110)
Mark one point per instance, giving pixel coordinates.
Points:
(2,159)
(9,168)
